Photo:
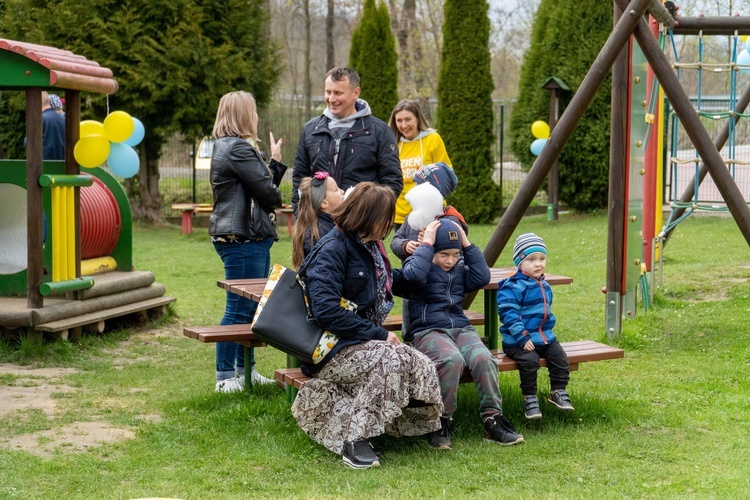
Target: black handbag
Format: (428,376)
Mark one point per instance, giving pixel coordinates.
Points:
(283,319)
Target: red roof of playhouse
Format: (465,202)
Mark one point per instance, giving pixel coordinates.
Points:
(66,69)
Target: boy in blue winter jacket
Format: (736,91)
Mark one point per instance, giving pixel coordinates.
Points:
(524,303)
(436,278)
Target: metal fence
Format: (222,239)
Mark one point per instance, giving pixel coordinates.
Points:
(184,171)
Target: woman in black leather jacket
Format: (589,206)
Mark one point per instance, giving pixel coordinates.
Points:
(242,225)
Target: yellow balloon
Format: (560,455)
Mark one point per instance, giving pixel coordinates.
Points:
(540,129)
(91,151)
(91,127)
(118,126)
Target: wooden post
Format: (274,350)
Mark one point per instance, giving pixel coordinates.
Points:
(618,153)
(34,208)
(555,86)
(565,127)
(553,179)
(694,128)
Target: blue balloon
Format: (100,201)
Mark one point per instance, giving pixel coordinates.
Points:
(138,132)
(123,160)
(537,145)
(743,59)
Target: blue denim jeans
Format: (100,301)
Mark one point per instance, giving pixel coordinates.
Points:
(251,259)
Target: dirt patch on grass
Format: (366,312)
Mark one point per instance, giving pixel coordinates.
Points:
(75,437)
(32,389)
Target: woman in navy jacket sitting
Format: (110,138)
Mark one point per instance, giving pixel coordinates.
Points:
(369,383)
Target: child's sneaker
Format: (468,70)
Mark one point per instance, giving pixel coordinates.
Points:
(498,429)
(442,439)
(229,385)
(561,399)
(531,408)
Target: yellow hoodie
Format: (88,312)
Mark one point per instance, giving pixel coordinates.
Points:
(426,148)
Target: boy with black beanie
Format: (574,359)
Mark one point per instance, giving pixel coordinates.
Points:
(444,268)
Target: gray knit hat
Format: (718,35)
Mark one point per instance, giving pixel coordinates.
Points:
(525,245)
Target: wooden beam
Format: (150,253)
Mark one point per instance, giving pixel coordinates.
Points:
(725,25)
(618,168)
(34,208)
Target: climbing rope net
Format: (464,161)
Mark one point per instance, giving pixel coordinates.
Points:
(709,109)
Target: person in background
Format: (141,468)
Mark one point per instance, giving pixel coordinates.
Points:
(57,104)
(53,131)
(369,383)
(242,226)
(442,270)
(418,145)
(347,141)
(318,197)
(524,304)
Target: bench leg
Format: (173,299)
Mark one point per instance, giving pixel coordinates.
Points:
(248,374)
(491,321)
(291,391)
(187,221)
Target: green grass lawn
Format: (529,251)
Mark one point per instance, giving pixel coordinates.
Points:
(669,420)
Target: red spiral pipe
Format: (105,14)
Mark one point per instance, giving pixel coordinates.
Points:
(100,221)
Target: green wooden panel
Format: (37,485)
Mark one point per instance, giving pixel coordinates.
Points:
(20,72)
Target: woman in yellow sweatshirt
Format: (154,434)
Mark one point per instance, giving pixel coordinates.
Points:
(418,145)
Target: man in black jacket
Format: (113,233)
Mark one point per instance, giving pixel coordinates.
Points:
(346,140)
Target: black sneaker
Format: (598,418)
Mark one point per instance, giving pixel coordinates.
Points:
(531,408)
(561,399)
(360,455)
(442,439)
(498,429)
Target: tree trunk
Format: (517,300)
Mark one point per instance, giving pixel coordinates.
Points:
(330,61)
(308,42)
(143,191)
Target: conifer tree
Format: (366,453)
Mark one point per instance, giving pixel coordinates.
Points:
(465,107)
(373,55)
(560,48)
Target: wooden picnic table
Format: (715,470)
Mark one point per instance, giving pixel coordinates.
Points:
(253,289)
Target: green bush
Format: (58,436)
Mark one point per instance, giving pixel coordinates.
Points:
(465,107)
(561,48)
(373,55)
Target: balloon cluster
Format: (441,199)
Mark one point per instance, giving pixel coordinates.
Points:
(540,130)
(112,141)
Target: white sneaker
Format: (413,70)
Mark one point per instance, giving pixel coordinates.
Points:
(257,378)
(230,385)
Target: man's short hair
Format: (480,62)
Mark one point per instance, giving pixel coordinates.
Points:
(342,73)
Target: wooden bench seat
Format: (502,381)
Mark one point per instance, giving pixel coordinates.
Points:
(242,334)
(580,351)
(224,333)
